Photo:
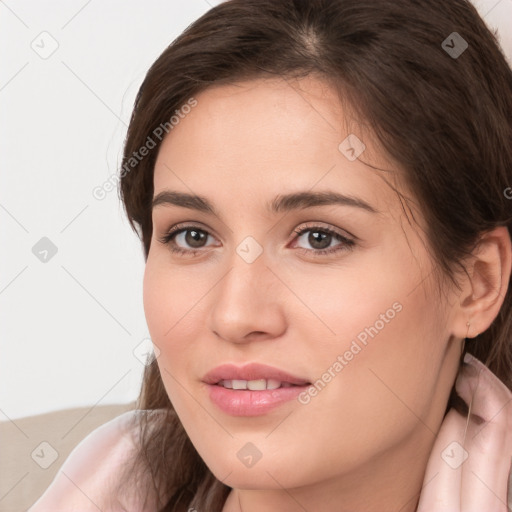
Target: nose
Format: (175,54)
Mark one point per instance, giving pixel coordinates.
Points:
(246,303)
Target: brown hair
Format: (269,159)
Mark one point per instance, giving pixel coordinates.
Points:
(445,118)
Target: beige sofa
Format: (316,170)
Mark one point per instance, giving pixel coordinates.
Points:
(32,449)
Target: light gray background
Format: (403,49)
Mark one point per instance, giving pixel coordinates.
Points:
(72,327)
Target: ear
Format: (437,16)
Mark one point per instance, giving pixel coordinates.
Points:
(485,285)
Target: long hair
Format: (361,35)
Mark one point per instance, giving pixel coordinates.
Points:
(429,79)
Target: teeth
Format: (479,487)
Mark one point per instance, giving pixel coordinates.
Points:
(273,384)
(254,385)
(257,385)
(239,384)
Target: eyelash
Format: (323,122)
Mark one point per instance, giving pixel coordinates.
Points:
(347,244)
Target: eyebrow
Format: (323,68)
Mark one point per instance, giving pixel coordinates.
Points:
(281,203)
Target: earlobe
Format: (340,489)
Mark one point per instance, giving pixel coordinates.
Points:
(487,281)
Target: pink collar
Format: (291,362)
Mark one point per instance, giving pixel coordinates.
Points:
(469,466)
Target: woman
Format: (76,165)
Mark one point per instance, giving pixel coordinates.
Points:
(322,192)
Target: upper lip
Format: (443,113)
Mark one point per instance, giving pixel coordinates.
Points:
(251,371)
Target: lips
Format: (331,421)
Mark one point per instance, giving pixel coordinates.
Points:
(252,375)
(253,389)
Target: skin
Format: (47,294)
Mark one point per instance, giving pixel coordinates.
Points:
(373,426)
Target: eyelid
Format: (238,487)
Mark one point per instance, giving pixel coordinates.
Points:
(303,227)
(320,225)
(171,233)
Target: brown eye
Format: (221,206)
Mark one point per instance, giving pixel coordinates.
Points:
(195,238)
(186,240)
(320,240)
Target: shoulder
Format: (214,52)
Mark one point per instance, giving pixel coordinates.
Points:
(87,478)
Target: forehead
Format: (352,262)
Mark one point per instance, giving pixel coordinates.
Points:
(268,135)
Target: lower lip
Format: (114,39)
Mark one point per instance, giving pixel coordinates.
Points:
(251,403)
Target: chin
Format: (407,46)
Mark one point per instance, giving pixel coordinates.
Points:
(254,479)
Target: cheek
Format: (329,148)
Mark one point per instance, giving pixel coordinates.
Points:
(381,361)
(174,307)
(170,298)
(391,349)
(154,302)
(166,302)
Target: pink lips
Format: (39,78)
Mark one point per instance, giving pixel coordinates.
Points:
(246,402)
(252,371)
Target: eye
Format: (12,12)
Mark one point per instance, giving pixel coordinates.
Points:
(179,236)
(321,239)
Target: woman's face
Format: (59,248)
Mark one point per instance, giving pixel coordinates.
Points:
(348,306)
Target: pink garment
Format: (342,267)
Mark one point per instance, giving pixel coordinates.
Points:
(469,466)
(468,470)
